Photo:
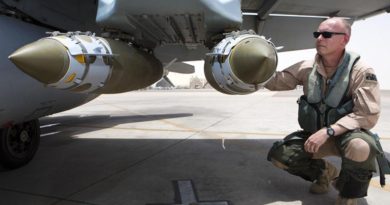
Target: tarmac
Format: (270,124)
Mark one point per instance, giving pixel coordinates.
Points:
(179,147)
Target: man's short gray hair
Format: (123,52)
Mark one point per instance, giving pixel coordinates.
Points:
(346,24)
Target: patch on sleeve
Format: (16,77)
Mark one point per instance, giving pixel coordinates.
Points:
(371,77)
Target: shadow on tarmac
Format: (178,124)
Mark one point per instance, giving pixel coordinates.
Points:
(69,170)
(107,120)
(137,171)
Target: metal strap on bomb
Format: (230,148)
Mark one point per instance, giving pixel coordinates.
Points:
(225,78)
(87,67)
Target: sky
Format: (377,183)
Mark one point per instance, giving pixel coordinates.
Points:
(370,38)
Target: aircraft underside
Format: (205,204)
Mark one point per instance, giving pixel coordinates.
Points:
(113,46)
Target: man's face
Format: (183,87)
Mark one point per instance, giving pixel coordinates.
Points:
(336,43)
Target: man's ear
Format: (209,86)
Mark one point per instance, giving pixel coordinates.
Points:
(346,38)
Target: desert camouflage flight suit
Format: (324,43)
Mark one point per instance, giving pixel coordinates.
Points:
(363,91)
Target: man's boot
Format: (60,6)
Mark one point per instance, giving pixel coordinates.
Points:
(345,201)
(321,185)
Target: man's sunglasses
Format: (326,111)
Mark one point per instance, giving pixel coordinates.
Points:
(326,34)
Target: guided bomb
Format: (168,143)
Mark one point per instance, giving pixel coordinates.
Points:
(241,63)
(88,64)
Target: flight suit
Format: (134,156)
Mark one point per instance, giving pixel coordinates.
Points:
(363,91)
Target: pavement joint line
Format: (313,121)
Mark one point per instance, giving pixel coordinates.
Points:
(143,115)
(124,169)
(186,193)
(146,158)
(44,196)
(129,167)
(372,183)
(184,129)
(202,132)
(189,130)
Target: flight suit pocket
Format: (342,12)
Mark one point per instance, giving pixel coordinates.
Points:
(308,117)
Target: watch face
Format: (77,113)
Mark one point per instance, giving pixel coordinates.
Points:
(330,131)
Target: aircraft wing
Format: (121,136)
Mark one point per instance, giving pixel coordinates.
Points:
(186,29)
(135,37)
(197,23)
(347,8)
(189,29)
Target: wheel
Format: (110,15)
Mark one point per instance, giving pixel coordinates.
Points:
(19,143)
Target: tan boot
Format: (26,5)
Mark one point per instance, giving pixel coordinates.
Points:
(345,201)
(321,185)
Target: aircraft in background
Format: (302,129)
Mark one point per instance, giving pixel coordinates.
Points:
(127,44)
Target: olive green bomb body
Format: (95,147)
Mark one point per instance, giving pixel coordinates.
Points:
(124,69)
(253,60)
(46,60)
(132,69)
(249,64)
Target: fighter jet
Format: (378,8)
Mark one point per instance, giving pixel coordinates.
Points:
(56,55)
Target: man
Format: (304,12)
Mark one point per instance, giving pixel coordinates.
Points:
(341,103)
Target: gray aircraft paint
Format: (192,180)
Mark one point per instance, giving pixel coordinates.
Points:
(192,29)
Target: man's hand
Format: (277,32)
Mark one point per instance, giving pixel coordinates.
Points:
(316,140)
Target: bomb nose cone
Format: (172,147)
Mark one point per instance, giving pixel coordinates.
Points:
(45,60)
(253,60)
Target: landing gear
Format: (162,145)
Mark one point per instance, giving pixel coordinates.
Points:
(19,143)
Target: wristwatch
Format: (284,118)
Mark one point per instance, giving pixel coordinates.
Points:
(330,131)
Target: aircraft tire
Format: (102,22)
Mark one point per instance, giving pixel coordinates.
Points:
(19,143)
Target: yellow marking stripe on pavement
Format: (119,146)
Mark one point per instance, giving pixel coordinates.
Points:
(184,129)
(375,183)
(188,129)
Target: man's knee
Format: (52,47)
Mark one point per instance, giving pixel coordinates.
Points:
(277,156)
(287,154)
(290,156)
(357,150)
(278,164)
